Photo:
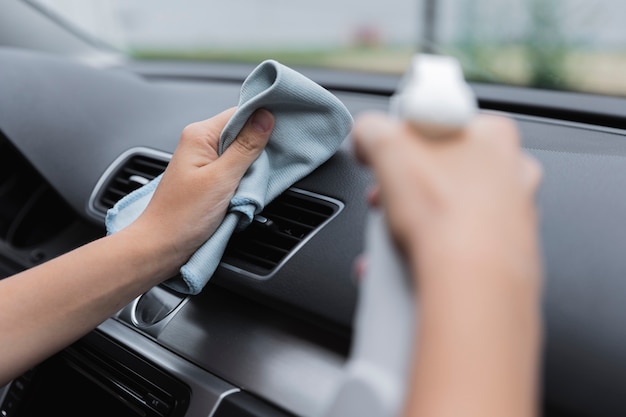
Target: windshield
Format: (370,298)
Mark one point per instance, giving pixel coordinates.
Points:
(574,45)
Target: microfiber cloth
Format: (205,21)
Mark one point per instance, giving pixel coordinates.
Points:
(310,124)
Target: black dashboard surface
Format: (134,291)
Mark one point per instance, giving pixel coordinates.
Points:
(72,121)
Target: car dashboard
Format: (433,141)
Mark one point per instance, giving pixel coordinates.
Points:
(270,334)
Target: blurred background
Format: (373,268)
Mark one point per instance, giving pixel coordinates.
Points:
(574,45)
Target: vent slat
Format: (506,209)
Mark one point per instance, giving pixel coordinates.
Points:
(117,191)
(260,257)
(280,250)
(108,202)
(305,209)
(294,216)
(303,217)
(308,204)
(142,173)
(291,227)
(249,263)
(121,182)
(153,164)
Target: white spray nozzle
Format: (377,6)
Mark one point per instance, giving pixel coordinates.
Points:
(434,96)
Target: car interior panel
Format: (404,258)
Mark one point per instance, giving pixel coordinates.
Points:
(270,335)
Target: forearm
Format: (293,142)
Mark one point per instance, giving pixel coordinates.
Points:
(48,307)
(479,337)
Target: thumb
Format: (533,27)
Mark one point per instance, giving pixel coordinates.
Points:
(249,144)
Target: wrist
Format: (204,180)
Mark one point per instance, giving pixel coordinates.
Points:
(156,256)
(475,260)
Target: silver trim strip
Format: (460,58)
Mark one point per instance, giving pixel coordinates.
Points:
(4,391)
(207,389)
(219,401)
(128,315)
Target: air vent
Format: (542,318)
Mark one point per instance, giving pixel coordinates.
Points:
(283,226)
(129,172)
(275,235)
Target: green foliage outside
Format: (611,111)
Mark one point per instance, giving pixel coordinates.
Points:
(540,57)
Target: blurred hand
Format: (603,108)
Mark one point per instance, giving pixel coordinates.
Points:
(468,192)
(462,209)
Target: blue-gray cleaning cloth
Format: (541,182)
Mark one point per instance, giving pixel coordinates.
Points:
(310,125)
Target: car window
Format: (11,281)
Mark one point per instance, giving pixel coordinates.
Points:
(573,45)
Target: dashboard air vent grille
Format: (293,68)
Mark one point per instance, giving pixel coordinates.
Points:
(283,226)
(135,171)
(276,234)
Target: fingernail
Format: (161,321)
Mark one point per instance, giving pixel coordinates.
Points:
(261,120)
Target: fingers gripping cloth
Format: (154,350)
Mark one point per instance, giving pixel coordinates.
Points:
(310,124)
